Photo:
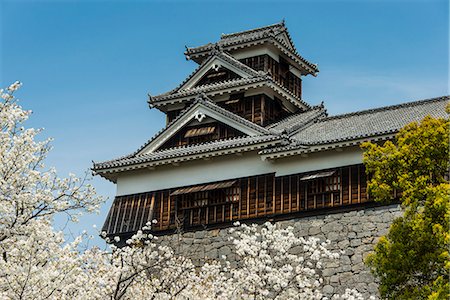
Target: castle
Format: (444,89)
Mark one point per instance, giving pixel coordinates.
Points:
(240,143)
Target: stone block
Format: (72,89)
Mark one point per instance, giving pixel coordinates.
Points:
(334,279)
(314,230)
(355,242)
(225,250)
(328,290)
(351,235)
(356,258)
(343,244)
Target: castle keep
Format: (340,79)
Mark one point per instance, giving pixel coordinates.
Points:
(241,143)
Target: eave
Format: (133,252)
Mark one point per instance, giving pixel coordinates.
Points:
(227,87)
(200,53)
(110,172)
(306,149)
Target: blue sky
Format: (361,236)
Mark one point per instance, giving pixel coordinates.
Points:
(87,66)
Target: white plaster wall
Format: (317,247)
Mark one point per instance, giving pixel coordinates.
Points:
(229,167)
(255,51)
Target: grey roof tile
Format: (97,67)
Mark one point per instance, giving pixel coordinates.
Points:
(298,120)
(223,56)
(274,29)
(269,33)
(304,130)
(264,132)
(261,78)
(185,151)
(207,88)
(202,98)
(370,122)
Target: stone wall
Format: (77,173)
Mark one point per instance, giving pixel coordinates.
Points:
(353,232)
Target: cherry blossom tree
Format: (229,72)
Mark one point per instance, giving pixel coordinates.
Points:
(36,262)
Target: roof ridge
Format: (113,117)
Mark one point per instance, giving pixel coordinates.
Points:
(222,82)
(389,107)
(232,115)
(201,89)
(228,35)
(283,88)
(197,149)
(290,117)
(159,132)
(234,138)
(203,99)
(262,77)
(219,54)
(317,111)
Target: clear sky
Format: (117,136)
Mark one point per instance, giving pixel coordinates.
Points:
(87,66)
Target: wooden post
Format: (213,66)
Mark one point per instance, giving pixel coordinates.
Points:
(215,213)
(306,196)
(341,186)
(146,196)
(231,211)
(274,197)
(169,206)
(131,226)
(298,192)
(263,110)
(290,194)
(359,186)
(282,194)
(138,206)
(349,185)
(124,213)
(253,109)
(161,210)
(119,204)
(248,197)
(152,207)
(240,198)
(256,195)
(265,194)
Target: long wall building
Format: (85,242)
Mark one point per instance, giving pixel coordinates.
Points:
(240,143)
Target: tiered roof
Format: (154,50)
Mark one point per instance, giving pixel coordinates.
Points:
(304,132)
(276,35)
(350,129)
(308,129)
(250,79)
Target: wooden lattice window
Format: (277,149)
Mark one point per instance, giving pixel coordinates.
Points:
(322,189)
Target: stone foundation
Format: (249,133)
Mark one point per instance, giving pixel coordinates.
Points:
(353,232)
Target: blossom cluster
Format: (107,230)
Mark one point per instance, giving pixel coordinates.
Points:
(36,262)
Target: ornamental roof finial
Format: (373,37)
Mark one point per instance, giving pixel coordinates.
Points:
(217,49)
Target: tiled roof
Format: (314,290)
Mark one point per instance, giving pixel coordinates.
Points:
(186,151)
(231,60)
(298,120)
(208,103)
(268,33)
(274,29)
(264,135)
(259,80)
(207,88)
(306,131)
(371,122)
(364,124)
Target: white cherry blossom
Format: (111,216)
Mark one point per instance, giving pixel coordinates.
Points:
(36,262)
